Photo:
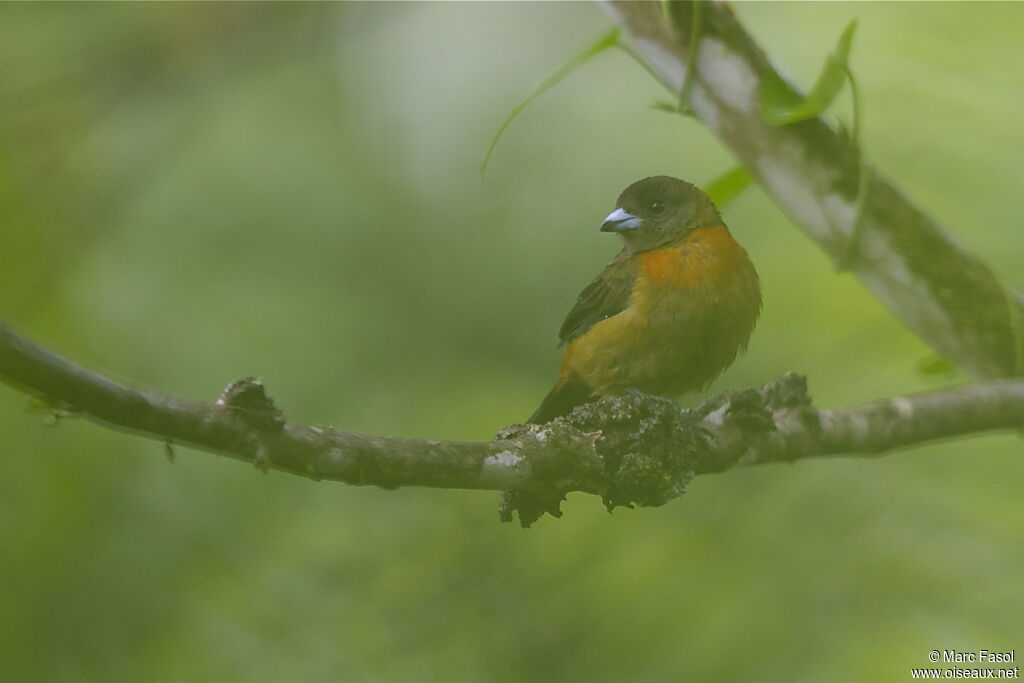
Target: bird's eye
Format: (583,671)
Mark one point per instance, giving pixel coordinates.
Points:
(657,206)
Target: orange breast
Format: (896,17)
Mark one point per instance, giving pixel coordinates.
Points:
(692,309)
(706,254)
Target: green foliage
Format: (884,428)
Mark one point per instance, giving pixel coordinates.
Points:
(934,364)
(605,42)
(781,104)
(1016,325)
(668,8)
(728,186)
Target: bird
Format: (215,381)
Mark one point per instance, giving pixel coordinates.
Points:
(669,313)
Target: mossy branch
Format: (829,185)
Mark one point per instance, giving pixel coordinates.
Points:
(630,450)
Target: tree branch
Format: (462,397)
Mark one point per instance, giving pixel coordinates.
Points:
(944,294)
(630,449)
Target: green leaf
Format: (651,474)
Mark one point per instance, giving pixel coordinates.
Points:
(728,186)
(781,104)
(666,106)
(666,9)
(1016,323)
(935,364)
(669,8)
(608,40)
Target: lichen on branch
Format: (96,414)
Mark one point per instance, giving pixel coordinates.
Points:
(630,449)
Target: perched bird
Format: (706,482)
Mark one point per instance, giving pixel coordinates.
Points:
(671,310)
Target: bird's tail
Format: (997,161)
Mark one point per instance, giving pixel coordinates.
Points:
(567,393)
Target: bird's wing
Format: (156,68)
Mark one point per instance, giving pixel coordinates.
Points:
(606,296)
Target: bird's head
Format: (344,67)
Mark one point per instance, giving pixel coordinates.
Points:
(659,210)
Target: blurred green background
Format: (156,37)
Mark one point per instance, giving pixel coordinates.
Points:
(193,193)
